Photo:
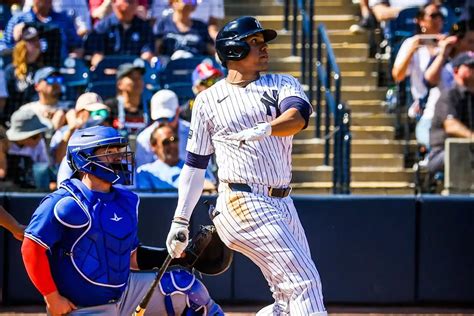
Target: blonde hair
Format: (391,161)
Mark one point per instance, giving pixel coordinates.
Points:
(20,60)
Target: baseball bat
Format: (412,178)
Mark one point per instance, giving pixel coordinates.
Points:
(141,308)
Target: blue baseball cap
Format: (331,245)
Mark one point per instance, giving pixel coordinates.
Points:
(45,72)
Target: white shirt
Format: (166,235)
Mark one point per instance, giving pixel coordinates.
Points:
(204,10)
(77,9)
(417,67)
(37,153)
(402,4)
(225,109)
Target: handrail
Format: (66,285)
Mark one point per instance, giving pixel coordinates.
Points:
(341,134)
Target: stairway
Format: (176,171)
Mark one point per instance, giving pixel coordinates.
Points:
(377,158)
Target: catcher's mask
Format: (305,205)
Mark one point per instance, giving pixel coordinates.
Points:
(116,167)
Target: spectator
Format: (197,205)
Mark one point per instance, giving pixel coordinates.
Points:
(20,73)
(164,109)
(3,91)
(101,8)
(454,113)
(77,9)
(49,108)
(178,32)
(89,111)
(385,10)
(122,32)
(413,59)
(367,19)
(164,172)
(210,12)
(11,224)
(439,75)
(23,156)
(42,14)
(127,109)
(203,77)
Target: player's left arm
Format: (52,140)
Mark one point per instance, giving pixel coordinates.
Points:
(294,118)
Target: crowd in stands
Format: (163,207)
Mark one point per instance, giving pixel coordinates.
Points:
(430,46)
(135,65)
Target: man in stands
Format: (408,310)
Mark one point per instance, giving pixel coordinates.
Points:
(454,112)
(122,33)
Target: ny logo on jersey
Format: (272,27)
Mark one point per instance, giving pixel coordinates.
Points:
(271,101)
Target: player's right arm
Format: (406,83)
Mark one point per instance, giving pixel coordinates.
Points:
(43,231)
(191,178)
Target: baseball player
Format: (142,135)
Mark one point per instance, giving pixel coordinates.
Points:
(248,120)
(82,240)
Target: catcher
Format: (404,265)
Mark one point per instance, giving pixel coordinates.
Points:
(82,241)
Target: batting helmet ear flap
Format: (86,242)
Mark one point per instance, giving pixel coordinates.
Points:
(232,49)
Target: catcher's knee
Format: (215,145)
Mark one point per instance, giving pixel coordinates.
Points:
(198,300)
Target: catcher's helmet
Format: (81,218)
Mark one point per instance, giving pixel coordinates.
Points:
(230,43)
(116,168)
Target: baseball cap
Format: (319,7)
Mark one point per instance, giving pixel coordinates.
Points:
(466,58)
(24,123)
(45,72)
(164,104)
(190,2)
(204,71)
(90,101)
(29,33)
(125,69)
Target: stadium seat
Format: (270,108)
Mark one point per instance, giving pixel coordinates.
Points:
(76,78)
(106,89)
(180,70)
(183,90)
(106,69)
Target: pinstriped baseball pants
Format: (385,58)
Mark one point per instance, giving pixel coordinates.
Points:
(268,231)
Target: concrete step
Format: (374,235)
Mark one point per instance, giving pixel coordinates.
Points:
(348,78)
(380,188)
(357,160)
(349,93)
(340,49)
(293,63)
(357,132)
(363,106)
(335,36)
(358,174)
(313,145)
(340,21)
(363,119)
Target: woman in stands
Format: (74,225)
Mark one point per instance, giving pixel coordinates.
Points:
(414,57)
(19,74)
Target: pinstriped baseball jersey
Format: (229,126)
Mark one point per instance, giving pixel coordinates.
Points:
(225,109)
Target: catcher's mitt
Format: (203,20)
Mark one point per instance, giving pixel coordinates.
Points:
(207,253)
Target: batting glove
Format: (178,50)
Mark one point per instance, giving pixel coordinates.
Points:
(173,245)
(258,132)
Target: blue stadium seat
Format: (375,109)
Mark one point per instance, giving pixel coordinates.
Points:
(5,15)
(106,89)
(183,90)
(107,67)
(76,78)
(180,70)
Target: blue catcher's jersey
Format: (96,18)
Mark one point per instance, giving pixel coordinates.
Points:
(90,236)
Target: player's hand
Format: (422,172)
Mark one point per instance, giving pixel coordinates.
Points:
(174,246)
(257,132)
(58,305)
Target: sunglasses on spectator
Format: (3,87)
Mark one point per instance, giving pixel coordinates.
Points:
(55,79)
(436,15)
(209,81)
(100,113)
(171,140)
(165,119)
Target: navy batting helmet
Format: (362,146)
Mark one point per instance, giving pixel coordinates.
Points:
(116,168)
(230,43)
